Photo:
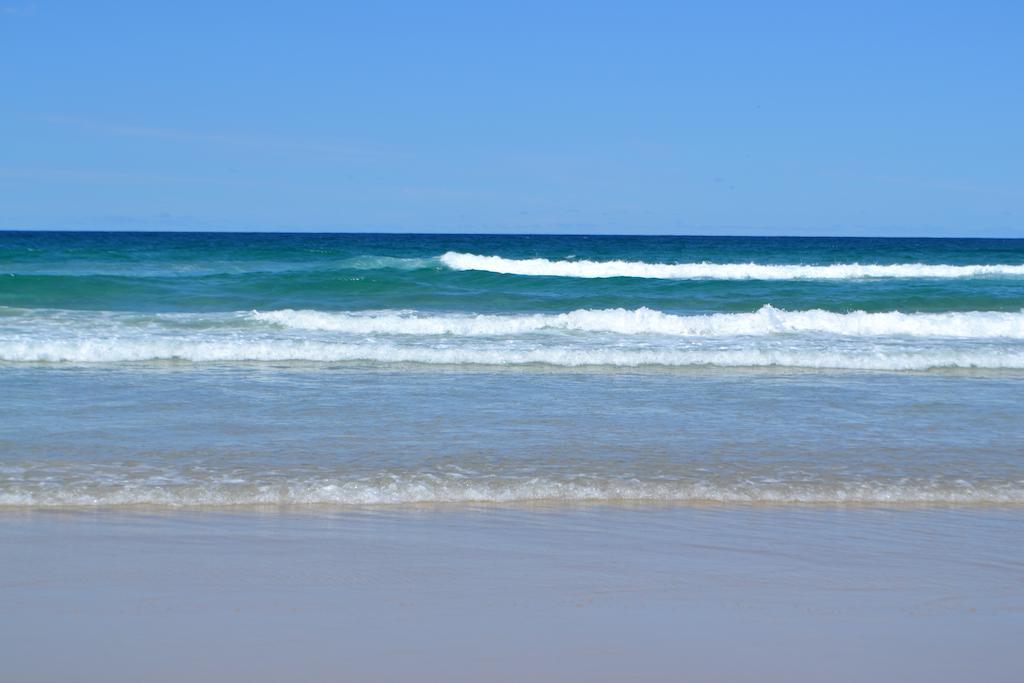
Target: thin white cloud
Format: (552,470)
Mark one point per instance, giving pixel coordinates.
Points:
(89,176)
(945,185)
(329,148)
(22,10)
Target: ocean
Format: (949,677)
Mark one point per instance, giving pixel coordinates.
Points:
(193,370)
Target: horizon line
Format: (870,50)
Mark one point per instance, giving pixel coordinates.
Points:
(278,231)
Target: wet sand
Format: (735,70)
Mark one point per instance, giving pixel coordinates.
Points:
(462,593)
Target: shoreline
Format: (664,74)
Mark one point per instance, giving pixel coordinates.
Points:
(545,506)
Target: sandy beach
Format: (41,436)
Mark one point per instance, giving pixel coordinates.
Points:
(513,593)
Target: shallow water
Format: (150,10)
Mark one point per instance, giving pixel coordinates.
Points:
(336,370)
(229,435)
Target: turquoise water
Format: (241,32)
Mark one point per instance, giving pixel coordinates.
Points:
(147,272)
(228,369)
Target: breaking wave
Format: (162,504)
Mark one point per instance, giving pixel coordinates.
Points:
(721,271)
(766,321)
(114,350)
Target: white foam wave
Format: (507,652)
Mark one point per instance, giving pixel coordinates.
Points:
(721,271)
(766,321)
(114,350)
(433,489)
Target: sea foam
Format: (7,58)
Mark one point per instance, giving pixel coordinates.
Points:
(118,350)
(418,488)
(600,338)
(765,321)
(721,271)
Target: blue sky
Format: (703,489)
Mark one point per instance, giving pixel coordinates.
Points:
(900,118)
